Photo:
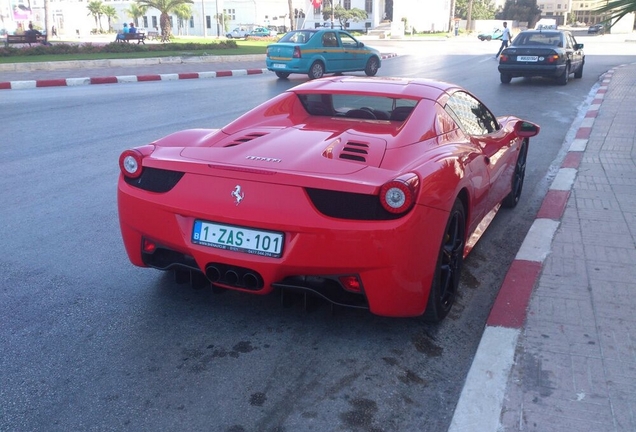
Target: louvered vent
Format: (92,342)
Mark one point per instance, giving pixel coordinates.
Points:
(356,151)
(246,138)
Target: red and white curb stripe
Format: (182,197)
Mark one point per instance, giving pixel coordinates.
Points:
(481,401)
(72,82)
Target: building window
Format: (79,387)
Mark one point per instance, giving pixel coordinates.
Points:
(368,6)
(559,6)
(208,22)
(317,10)
(231,13)
(191,22)
(347,4)
(154,22)
(145,22)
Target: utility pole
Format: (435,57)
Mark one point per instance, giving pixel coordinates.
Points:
(205,29)
(218,32)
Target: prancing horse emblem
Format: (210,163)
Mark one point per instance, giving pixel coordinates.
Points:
(237,194)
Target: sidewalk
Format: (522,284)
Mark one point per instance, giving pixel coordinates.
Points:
(558,353)
(29,75)
(83,72)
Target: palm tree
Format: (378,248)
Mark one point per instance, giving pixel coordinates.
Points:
(165,7)
(617,9)
(183,12)
(135,12)
(96,9)
(111,14)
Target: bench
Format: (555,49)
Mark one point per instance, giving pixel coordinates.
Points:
(25,39)
(139,37)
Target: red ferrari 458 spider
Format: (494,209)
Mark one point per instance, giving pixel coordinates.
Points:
(368,192)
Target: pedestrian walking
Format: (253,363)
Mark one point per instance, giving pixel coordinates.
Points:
(53,31)
(505,39)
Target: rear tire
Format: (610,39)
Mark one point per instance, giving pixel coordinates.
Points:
(317,70)
(512,198)
(505,78)
(489,38)
(282,75)
(563,79)
(372,66)
(579,73)
(449,266)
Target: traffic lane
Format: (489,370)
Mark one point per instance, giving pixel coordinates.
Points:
(93,340)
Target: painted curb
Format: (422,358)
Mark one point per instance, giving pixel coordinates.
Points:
(481,401)
(73,82)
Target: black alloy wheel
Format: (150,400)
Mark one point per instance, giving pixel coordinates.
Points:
(512,198)
(449,266)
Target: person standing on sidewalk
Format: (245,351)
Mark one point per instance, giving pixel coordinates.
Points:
(505,39)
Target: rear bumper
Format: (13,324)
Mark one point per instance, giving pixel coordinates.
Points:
(550,71)
(394,260)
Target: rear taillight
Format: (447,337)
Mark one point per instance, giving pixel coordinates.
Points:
(398,195)
(553,58)
(130,161)
(504,58)
(297,52)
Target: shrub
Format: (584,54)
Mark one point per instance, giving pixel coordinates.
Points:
(89,48)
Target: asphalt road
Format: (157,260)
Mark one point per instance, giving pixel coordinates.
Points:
(90,343)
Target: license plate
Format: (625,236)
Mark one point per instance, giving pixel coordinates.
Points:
(527,58)
(238,239)
(280,65)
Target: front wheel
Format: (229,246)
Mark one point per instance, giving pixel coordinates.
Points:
(449,266)
(505,78)
(282,75)
(512,198)
(317,70)
(372,66)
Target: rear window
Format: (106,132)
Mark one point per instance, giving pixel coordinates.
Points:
(543,38)
(358,106)
(299,37)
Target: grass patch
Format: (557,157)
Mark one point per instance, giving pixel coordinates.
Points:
(181,47)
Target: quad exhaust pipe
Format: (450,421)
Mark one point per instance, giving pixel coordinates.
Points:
(233,276)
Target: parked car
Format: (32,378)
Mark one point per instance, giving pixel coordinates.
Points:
(596,29)
(319,51)
(366,192)
(238,33)
(496,34)
(542,53)
(263,32)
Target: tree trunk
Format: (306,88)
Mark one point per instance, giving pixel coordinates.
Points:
(292,23)
(166,30)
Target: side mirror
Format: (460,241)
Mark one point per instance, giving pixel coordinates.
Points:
(360,44)
(578,46)
(526,129)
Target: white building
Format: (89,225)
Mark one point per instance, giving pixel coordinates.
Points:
(72,17)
